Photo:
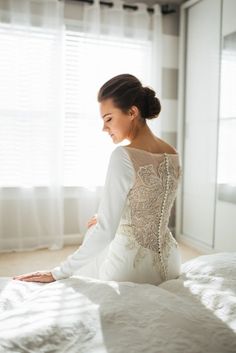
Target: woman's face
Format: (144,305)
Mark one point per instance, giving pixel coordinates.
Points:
(115,122)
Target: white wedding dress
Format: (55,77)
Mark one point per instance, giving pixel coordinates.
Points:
(131,240)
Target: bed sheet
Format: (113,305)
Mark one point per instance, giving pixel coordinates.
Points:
(194,313)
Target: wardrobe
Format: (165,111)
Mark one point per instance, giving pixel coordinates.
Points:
(206,202)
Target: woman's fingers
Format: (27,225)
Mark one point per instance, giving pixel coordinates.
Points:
(92,221)
(27,275)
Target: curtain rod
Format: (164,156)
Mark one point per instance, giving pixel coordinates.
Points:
(165,9)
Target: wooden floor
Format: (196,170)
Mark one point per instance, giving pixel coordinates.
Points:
(23,262)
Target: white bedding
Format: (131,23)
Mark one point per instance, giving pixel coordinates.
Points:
(193,314)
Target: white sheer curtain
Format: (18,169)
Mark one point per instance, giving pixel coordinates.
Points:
(31,120)
(53,153)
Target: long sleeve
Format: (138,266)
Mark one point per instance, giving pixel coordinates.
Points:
(119,180)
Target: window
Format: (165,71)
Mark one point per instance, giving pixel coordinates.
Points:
(29,77)
(29,69)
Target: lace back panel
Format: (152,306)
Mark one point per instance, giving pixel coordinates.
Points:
(149,203)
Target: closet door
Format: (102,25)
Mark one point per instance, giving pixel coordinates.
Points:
(225,229)
(201,114)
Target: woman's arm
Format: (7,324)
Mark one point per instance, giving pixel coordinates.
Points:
(119,180)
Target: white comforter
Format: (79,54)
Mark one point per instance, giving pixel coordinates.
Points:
(195,313)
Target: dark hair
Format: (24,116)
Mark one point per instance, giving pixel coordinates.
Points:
(126,90)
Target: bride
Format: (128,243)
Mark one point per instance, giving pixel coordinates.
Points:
(129,239)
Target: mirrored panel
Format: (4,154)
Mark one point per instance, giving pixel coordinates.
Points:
(226,179)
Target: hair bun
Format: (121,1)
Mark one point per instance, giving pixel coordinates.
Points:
(126,91)
(153,105)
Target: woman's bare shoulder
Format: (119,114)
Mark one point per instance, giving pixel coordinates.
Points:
(156,145)
(165,147)
(161,146)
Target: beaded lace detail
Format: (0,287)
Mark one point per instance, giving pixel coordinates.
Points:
(146,215)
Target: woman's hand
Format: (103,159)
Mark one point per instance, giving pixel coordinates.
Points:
(39,276)
(92,221)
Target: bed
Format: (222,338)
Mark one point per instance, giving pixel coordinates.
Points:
(195,313)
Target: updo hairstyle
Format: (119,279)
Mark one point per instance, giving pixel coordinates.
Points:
(126,91)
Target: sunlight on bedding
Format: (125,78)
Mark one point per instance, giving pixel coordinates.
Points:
(217,293)
(59,313)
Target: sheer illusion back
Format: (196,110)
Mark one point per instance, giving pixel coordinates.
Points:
(149,202)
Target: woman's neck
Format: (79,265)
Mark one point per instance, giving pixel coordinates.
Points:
(142,137)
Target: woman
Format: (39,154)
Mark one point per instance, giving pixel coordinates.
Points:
(129,240)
